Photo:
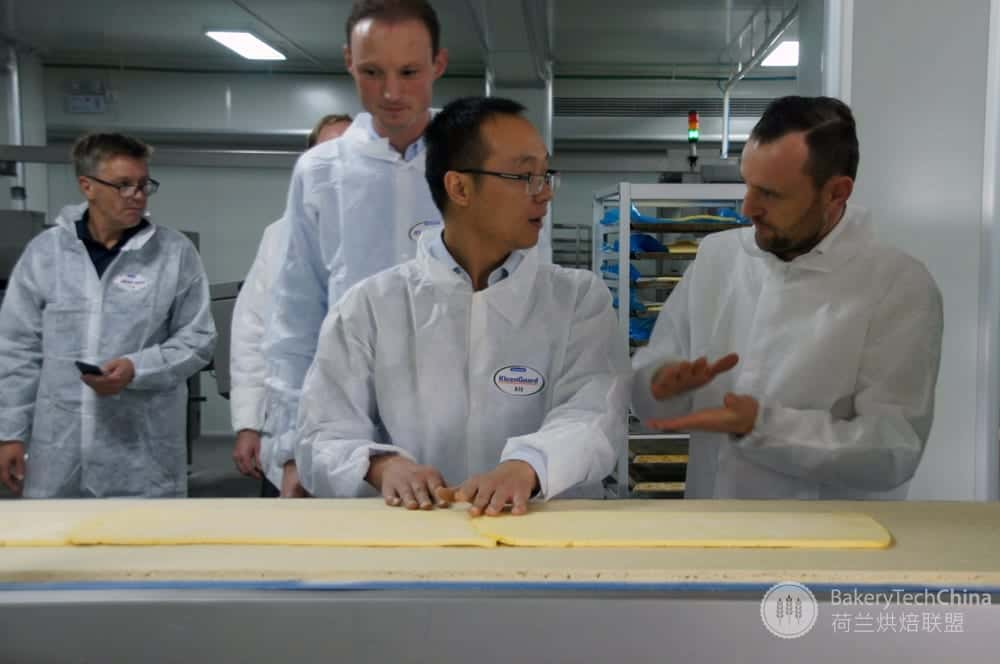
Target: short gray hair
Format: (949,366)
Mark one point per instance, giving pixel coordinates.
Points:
(91,150)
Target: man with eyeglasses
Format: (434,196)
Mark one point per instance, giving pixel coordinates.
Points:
(105,318)
(473,373)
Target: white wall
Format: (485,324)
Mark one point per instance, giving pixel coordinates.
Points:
(918,91)
(185,102)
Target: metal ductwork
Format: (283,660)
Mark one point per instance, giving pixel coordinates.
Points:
(650,122)
(18,193)
(656,107)
(517,41)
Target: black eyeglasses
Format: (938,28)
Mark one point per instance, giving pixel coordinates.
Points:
(147,187)
(533,183)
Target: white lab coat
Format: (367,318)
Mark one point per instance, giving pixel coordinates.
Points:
(151,306)
(355,207)
(413,361)
(247,364)
(840,346)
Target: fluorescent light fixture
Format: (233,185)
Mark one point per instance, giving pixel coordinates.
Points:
(245,43)
(785,54)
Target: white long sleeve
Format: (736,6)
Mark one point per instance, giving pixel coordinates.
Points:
(247,364)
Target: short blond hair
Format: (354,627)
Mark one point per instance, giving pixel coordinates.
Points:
(323,123)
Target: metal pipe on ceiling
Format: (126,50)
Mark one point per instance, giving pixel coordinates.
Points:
(770,41)
(18,194)
(726,120)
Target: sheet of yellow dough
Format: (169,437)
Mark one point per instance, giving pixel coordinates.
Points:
(388,527)
(363,523)
(35,528)
(688,529)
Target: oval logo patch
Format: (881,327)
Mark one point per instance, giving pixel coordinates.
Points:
(417,229)
(131,282)
(519,381)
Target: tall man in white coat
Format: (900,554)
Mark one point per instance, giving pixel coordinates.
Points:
(356,205)
(802,354)
(474,372)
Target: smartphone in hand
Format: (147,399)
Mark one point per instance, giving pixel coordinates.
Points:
(89,369)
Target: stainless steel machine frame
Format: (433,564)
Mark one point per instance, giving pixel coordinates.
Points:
(441,622)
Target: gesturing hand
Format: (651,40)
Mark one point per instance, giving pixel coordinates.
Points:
(677,378)
(738,415)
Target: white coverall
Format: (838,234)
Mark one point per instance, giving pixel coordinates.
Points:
(414,362)
(355,207)
(840,346)
(248,365)
(150,306)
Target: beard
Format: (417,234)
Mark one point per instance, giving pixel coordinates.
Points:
(807,231)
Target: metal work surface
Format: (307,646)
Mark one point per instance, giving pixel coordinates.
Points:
(456,624)
(285,603)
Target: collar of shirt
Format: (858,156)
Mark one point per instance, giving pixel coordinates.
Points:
(439,252)
(100,255)
(83,232)
(412,150)
(512,297)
